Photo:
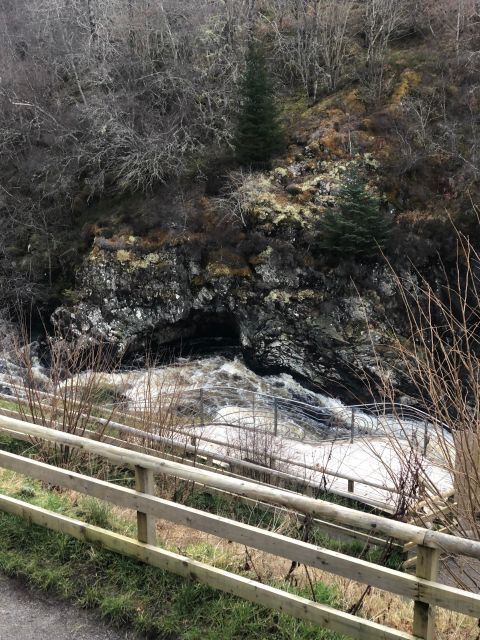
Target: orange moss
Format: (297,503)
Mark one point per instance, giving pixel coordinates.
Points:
(353,103)
(409,79)
(335,143)
(224,263)
(220,270)
(156,238)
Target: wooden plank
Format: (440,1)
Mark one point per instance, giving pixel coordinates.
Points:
(322,615)
(334,530)
(268,541)
(216,466)
(146,525)
(410,562)
(126,444)
(342,476)
(310,506)
(207,457)
(273,472)
(423,613)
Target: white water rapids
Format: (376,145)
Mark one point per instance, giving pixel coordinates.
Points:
(308,440)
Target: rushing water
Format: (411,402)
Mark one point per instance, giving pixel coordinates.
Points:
(310,428)
(216,372)
(322,423)
(219,372)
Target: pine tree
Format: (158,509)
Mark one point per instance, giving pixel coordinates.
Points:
(356,226)
(259,135)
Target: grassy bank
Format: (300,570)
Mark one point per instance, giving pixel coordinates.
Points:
(147,599)
(126,592)
(163,606)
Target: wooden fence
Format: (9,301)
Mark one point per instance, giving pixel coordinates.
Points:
(435,511)
(342,533)
(297,479)
(422,588)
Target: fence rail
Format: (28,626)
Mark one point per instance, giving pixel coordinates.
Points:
(422,588)
(340,532)
(186,444)
(263,415)
(334,422)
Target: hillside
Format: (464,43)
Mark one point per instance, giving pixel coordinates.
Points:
(239,330)
(125,207)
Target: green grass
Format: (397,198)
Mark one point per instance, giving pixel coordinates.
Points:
(241,512)
(7,404)
(20,447)
(147,599)
(128,593)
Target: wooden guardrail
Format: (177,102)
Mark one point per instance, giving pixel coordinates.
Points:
(237,463)
(310,506)
(339,532)
(440,510)
(422,588)
(343,533)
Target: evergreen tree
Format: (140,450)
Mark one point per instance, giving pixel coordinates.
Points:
(356,226)
(259,135)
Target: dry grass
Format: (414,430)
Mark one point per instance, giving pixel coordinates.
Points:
(440,357)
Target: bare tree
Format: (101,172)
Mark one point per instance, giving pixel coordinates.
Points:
(452,19)
(333,35)
(441,358)
(311,38)
(381,19)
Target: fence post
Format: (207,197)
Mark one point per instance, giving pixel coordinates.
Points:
(351,486)
(423,613)
(202,407)
(425,438)
(275,417)
(352,426)
(253,409)
(144,483)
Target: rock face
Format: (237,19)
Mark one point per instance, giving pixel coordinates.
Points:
(288,316)
(289,310)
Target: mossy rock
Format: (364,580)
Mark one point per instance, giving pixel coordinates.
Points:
(221,270)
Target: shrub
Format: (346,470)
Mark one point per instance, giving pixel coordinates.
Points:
(259,135)
(356,226)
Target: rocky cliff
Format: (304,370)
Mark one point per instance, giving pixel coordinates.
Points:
(288,310)
(252,267)
(314,324)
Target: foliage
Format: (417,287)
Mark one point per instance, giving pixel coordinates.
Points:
(113,98)
(259,135)
(356,227)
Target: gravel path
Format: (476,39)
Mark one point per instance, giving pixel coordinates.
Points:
(29,615)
